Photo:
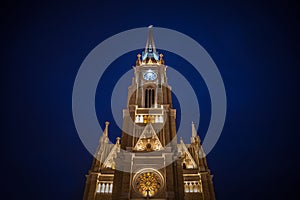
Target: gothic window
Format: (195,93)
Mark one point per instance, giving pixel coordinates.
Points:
(149,97)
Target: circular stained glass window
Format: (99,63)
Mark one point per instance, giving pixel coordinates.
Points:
(148,183)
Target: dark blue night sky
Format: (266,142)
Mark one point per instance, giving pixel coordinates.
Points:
(254,45)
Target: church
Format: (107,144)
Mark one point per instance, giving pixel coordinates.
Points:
(149,161)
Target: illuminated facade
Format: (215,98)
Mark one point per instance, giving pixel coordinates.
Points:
(147,162)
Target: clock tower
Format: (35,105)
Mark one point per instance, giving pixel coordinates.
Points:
(147,162)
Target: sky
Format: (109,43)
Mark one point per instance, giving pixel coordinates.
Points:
(253,43)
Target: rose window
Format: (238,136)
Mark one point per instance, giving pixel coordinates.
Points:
(148,183)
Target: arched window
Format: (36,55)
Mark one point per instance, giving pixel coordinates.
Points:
(149,97)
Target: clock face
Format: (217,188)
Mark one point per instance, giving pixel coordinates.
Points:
(150,75)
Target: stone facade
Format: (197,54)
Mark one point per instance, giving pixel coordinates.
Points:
(147,162)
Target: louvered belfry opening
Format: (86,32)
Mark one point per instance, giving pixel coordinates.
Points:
(149,97)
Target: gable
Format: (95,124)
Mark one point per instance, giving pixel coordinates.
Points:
(188,160)
(148,141)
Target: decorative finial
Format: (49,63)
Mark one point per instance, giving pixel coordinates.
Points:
(181,141)
(161,60)
(118,140)
(106,129)
(138,61)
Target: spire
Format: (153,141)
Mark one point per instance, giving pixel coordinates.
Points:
(194,132)
(150,45)
(104,138)
(104,145)
(195,137)
(150,53)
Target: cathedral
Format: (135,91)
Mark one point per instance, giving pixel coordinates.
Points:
(148,161)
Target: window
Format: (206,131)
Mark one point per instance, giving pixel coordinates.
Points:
(192,186)
(149,97)
(104,187)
